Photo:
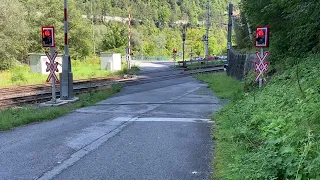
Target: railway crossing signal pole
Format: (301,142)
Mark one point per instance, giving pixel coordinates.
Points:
(129,42)
(183,45)
(48,40)
(260,78)
(53,81)
(261,41)
(175,50)
(66,77)
(52,67)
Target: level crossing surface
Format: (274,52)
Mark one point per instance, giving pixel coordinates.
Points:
(153,131)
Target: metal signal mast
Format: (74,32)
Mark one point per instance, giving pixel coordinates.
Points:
(207,31)
(129,53)
(66,77)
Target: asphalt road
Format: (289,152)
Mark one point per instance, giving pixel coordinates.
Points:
(151,131)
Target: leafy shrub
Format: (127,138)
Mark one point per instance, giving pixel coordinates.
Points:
(4,65)
(273,133)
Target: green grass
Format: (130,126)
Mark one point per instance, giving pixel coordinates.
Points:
(88,68)
(14,117)
(274,132)
(224,86)
(196,65)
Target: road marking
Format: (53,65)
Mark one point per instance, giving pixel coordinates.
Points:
(75,157)
(160,119)
(143,103)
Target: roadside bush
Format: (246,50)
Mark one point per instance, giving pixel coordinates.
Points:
(273,133)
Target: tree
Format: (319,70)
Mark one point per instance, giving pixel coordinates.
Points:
(13,34)
(40,14)
(29,15)
(115,37)
(293,24)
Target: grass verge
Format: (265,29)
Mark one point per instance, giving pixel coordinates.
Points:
(88,68)
(224,86)
(197,65)
(14,117)
(274,132)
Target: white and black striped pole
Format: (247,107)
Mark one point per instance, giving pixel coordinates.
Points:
(66,89)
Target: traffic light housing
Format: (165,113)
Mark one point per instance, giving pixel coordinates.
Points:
(183,36)
(175,50)
(204,38)
(48,37)
(262,37)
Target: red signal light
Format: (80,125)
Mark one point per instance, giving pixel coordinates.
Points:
(262,37)
(48,37)
(260,33)
(175,50)
(47,33)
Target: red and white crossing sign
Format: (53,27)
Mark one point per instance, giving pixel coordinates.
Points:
(261,66)
(52,66)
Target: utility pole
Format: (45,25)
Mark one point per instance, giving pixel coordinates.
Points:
(229,45)
(183,45)
(129,42)
(191,53)
(249,29)
(94,43)
(207,32)
(66,77)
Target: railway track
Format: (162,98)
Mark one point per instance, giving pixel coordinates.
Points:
(34,94)
(17,90)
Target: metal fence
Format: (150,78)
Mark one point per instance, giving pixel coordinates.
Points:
(240,64)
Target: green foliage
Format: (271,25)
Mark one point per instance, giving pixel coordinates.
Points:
(156,29)
(272,133)
(224,86)
(115,37)
(293,24)
(13,28)
(11,118)
(49,12)
(242,37)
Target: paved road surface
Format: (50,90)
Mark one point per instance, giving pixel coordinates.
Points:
(152,131)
